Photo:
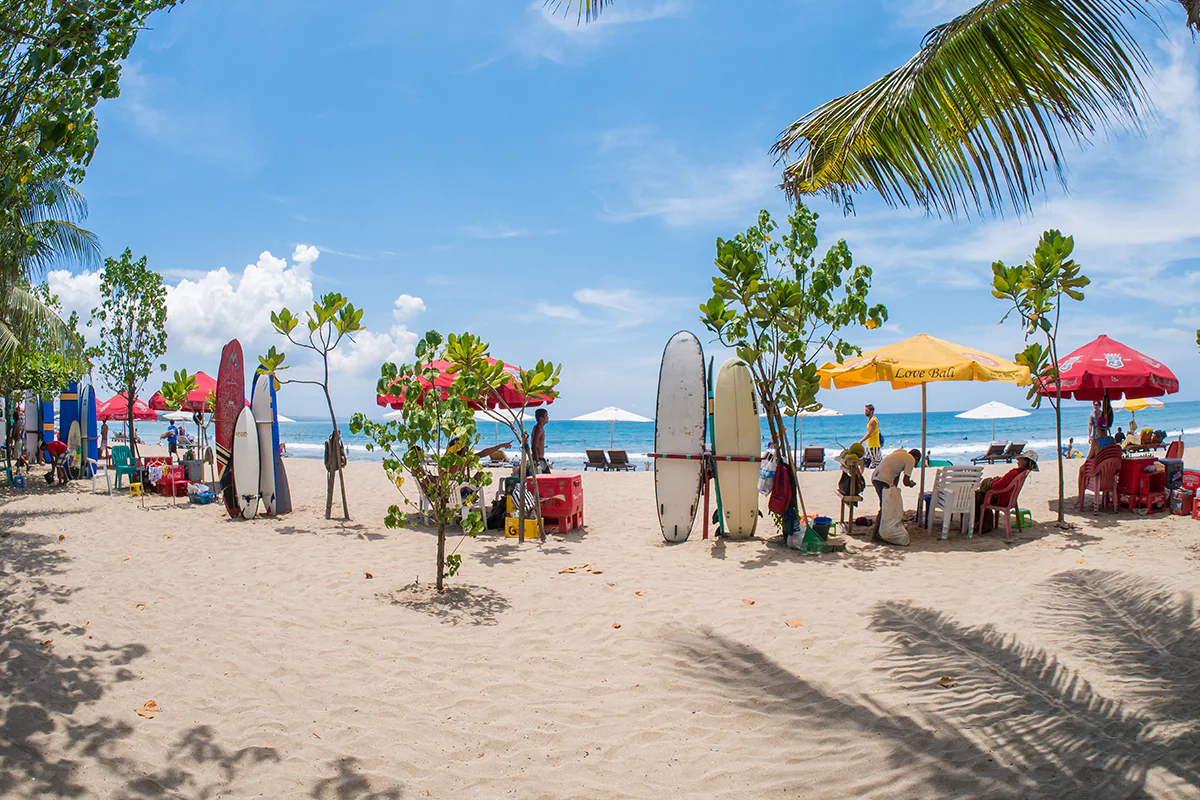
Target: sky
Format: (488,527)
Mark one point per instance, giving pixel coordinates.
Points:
(558,189)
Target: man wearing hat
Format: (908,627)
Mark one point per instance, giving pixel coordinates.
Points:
(1027,461)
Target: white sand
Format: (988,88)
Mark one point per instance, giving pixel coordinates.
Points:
(282,671)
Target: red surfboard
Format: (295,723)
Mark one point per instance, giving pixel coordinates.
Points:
(231,399)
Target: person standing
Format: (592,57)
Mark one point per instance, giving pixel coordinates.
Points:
(898,464)
(873,441)
(172,437)
(1099,424)
(537,442)
(104,439)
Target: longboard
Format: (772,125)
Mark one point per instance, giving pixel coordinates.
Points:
(679,428)
(736,432)
(231,400)
(262,406)
(31,419)
(73,445)
(246,465)
(46,411)
(87,413)
(68,412)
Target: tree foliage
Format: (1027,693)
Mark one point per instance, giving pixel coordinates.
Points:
(332,320)
(1035,290)
(44,362)
(780,309)
(132,318)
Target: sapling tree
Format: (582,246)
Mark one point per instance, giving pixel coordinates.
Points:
(333,319)
(433,441)
(1036,290)
(780,310)
(132,318)
(505,392)
(175,391)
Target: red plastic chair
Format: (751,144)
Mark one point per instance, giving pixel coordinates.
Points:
(1102,482)
(993,502)
(1090,468)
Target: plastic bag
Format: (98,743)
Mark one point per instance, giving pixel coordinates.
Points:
(891,523)
(766,473)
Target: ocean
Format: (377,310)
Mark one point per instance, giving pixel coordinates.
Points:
(956,440)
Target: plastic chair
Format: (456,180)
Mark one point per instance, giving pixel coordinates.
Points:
(122,459)
(954,493)
(993,502)
(95,470)
(1100,474)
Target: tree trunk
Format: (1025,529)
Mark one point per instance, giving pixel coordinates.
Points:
(129,400)
(441,565)
(1058,427)
(338,468)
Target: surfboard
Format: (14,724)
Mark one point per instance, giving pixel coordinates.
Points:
(87,413)
(679,429)
(46,411)
(68,411)
(231,399)
(283,492)
(262,406)
(246,465)
(32,425)
(73,447)
(736,432)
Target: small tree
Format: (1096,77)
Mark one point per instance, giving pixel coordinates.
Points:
(175,391)
(433,441)
(504,391)
(1036,289)
(331,320)
(780,309)
(132,318)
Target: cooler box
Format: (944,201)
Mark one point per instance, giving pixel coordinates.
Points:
(1130,479)
(1191,479)
(1181,502)
(1174,472)
(562,495)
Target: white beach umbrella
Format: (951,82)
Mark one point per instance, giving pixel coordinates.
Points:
(282,418)
(612,415)
(798,423)
(993,411)
(178,416)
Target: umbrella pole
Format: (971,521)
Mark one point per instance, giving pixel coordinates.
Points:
(612,427)
(993,430)
(924,455)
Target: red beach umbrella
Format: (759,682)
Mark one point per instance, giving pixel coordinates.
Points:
(509,394)
(197,399)
(117,408)
(1105,366)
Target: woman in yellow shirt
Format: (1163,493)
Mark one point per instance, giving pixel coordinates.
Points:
(873,441)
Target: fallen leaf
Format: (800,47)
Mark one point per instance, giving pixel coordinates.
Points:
(62,538)
(126,558)
(168,536)
(616,624)
(47,642)
(748,602)
(1080,561)
(573,570)
(596,571)
(148,710)
(793,623)
(369,575)
(640,592)
(140,606)
(1134,553)
(88,622)
(946,682)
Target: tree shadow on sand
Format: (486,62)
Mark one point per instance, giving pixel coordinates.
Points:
(989,716)
(458,604)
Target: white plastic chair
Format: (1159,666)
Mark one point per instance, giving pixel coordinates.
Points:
(475,493)
(95,468)
(954,493)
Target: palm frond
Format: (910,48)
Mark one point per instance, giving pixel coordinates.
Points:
(979,115)
(588,10)
(22,310)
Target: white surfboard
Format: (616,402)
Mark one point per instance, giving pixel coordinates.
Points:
(264,419)
(679,429)
(73,437)
(736,432)
(245,464)
(33,427)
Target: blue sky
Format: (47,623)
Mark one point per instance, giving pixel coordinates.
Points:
(558,189)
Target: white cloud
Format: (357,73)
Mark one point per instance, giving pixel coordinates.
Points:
(555,311)
(406,307)
(651,177)
(560,36)
(371,349)
(497,231)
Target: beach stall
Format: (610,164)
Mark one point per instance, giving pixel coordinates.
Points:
(919,361)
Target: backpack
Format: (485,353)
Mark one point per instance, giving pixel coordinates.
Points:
(783,493)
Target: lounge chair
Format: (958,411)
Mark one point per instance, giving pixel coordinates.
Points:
(596,460)
(992,502)
(619,460)
(499,459)
(1012,451)
(813,458)
(995,451)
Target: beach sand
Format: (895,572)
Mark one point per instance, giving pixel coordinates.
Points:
(294,658)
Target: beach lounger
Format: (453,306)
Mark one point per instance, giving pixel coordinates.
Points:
(619,460)
(994,452)
(596,460)
(499,458)
(1011,452)
(813,458)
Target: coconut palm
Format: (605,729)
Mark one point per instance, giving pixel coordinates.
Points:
(979,115)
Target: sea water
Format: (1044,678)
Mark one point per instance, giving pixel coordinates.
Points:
(949,438)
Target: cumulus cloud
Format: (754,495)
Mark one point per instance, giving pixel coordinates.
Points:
(406,307)
(371,349)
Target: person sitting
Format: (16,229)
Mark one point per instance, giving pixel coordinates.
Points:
(1119,438)
(888,473)
(60,460)
(1027,461)
(1069,448)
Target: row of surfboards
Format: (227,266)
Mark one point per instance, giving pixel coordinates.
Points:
(693,408)
(76,420)
(252,479)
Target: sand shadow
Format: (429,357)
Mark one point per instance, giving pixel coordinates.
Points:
(458,604)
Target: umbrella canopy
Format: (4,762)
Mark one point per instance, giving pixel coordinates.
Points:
(993,411)
(506,395)
(612,415)
(282,418)
(1137,403)
(197,399)
(1104,366)
(798,422)
(117,407)
(919,361)
(178,416)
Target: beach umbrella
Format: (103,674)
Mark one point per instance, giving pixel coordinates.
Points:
(483,416)
(506,395)
(197,399)
(178,416)
(1106,368)
(1136,404)
(117,407)
(612,415)
(282,418)
(798,422)
(919,361)
(993,411)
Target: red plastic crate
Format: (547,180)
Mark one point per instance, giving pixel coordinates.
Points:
(563,524)
(562,494)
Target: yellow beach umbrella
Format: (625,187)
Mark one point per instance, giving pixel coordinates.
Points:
(919,361)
